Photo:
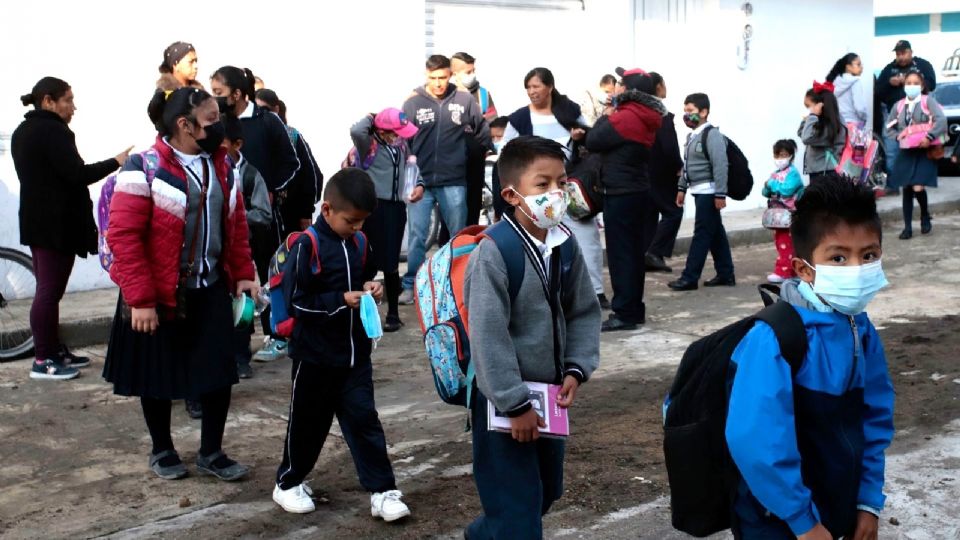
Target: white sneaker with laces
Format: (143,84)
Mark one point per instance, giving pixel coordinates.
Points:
(387,505)
(774,278)
(295,500)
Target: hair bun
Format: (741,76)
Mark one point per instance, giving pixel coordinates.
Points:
(26,99)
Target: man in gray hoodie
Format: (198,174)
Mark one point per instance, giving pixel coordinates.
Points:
(544,329)
(445,118)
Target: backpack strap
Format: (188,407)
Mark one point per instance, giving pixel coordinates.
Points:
(315,243)
(151,162)
(360,240)
(484,100)
(703,141)
(790,331)
(512,250)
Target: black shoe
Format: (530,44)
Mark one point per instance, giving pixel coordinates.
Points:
(69,359)
(655,263)
(721,282)
(193,409)
(219,465)
(392,324)
(683,285)
(604,302)
(616,324)
(167,465)
(906,234)
(244,371)
(926,225)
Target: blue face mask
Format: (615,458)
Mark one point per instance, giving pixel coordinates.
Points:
(847,289)
(370,317)
(912,90)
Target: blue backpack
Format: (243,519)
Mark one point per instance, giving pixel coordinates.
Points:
(444,318)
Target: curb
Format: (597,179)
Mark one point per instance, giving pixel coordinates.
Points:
(97,330)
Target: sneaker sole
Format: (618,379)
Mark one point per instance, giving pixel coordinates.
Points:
(79,366)
(293,510)
(390,518)
(48,377)
(172,476)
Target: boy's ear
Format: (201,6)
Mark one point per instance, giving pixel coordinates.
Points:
(510,196)
(704,113)
(803,270)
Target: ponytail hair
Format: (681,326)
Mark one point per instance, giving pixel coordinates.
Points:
(840,67)
(274,102)
(47,86)
(166,107)
(235,78)
(830,121)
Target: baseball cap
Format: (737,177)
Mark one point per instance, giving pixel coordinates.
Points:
(902,45)
(391,119)
(631,77)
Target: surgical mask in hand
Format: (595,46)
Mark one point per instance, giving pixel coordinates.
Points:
(848,289)
(548,208)
(370,318)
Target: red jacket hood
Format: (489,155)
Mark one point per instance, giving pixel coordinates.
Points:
(636,122)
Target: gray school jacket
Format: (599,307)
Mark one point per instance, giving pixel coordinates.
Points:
(897,120)
(513,342)
(822,150)
(698,169)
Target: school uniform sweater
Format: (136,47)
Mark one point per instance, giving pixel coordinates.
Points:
(386,167)
(705,174)
(811,448)
(510,342)
(823,150)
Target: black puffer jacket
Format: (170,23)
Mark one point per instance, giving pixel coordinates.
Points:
(624,139)
(55,207)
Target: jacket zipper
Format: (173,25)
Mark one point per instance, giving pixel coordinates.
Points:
(436,147)
(346,256)
(853,373)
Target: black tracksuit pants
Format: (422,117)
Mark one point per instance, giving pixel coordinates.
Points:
(319,393)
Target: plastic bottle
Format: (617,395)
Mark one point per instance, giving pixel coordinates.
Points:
(411,175)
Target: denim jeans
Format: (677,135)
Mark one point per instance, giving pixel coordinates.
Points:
(453,210)
(891,146)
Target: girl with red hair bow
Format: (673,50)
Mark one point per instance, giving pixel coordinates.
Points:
(822,131)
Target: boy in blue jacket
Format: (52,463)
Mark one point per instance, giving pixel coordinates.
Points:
(323,283)
(810,447)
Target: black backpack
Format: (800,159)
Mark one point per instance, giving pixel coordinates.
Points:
(739,178)
(703,478)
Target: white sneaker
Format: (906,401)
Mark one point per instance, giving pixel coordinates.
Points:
(774,278)
(387,505)
(406,297)
(295,500)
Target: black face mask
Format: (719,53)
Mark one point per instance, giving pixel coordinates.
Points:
(224,106)
(215,135)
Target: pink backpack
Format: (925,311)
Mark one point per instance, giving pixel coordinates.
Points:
(915,133)
(150,160)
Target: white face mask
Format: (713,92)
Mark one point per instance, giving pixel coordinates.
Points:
(781,163)
(548,208)
(467,79)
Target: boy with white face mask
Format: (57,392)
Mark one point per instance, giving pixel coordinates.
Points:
(547,330)
(810,447)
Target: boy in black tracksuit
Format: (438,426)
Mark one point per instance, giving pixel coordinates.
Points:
(332,372)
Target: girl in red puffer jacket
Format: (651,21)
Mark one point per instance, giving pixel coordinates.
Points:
(180,251)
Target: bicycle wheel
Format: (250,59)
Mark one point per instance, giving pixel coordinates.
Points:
(17,287)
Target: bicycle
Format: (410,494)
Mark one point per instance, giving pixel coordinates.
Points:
(17,287)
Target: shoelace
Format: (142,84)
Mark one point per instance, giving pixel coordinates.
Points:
(393,495)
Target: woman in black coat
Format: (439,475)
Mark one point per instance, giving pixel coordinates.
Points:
(665,167)
(56,214)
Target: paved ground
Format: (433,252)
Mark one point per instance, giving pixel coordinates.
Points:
(74,455)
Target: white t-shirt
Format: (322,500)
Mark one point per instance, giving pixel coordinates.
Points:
(546,126)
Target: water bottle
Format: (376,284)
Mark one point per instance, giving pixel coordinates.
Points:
(411,175)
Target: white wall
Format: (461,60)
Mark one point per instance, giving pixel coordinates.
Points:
(331,62)
(764,102)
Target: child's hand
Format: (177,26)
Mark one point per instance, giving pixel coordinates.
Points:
(720,202)
(416,194)
(352,299)
(680,196)
(568,392)
(524,427)
(867,526)
(817,533)
(375,289)
(144,320)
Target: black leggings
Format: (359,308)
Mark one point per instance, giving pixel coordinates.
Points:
(215,405)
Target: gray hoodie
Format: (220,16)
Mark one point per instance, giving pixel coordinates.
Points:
(511,342)
(440,145)
(854,107)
